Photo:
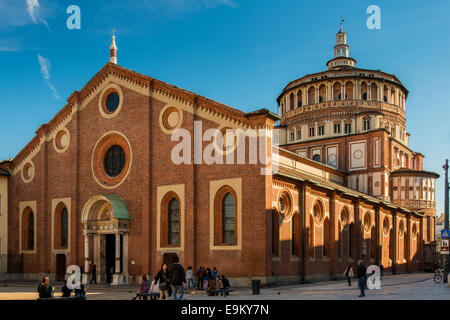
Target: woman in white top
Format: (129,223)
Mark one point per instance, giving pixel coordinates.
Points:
(190,278)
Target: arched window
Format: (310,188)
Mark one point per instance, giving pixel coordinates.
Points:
(311,95)
(349,90)
(174,222)
(351,240)
(291,101)
(296,234)
(228,215)
(373,242)
(275,233)
(311,236)
(299,98)
(64,228)
(364,90)
(337,91)
(28,224)
(373,91)
(322,93)
(30,242)
(326,237)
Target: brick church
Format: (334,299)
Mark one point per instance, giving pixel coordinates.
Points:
(98,183)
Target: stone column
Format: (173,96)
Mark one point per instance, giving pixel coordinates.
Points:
(359,233)
(394,262)
(96,257)
(86,252)
(117,252)
(332,235)
(118,277)
(408,244)
(125,254)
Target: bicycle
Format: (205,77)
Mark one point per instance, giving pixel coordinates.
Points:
(438,274)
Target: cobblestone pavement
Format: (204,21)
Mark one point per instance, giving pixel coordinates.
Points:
(419,286)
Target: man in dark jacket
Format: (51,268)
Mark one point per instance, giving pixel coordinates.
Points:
(361,277)
(177,278)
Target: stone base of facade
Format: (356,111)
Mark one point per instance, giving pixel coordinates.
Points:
(27,276)
(119,279)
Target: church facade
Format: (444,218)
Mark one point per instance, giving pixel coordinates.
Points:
(102,182)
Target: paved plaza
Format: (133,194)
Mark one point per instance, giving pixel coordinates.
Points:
(418,286)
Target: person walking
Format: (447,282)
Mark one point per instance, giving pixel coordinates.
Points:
(211,283)
(190,278)
(200,278)
(93,274)
(206,278)
(214,275)
(349,274)
(177,278)
(361,277)
(45,289)
(164,282)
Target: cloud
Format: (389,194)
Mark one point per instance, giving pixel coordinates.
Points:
(33,9)
(45,71)
(8,49)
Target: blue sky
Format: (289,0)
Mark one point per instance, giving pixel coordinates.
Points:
(238,52)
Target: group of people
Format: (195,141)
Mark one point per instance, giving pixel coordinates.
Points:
(209,280)
(361,275)
(46,290)
(170,281)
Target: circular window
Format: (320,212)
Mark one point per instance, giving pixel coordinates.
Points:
(170,119)
(28,172)
(386,226)
(411,188)
(401,228)
(285,204)
(62,140)
(114,160)
(318,213)
(112,102)
(226,140)
(367,221)
(395,188)
(316,157)
(111,160)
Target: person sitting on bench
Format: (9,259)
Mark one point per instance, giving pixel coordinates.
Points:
(144,287)
(226,285)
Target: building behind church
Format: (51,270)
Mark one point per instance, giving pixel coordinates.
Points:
(97,184)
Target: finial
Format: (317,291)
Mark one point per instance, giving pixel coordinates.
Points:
(342,21)
(113,48)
